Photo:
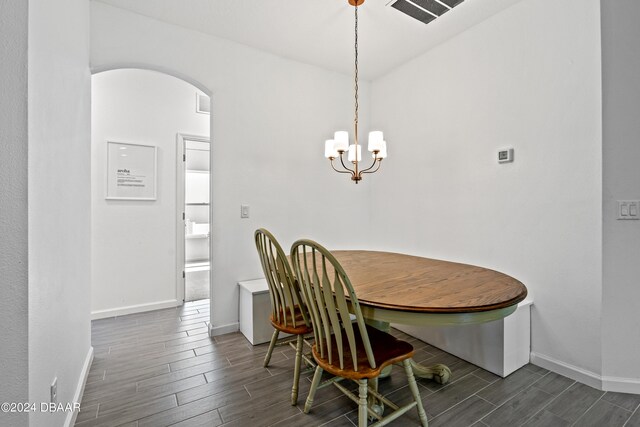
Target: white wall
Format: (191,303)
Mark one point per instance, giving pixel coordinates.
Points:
(59,201)
(621,152)
(134,242)
(529,78)
(13,207)
(270,119)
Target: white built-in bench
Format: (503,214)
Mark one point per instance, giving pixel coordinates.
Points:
(254,311)
(501,346)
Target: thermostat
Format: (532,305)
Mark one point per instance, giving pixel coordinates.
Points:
(505,155)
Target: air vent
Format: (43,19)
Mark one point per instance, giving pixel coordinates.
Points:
(203,104)
(424,11)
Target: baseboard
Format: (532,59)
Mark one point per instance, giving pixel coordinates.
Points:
(621,385)
(139,308)
(574,372)
(224,329)
(601,382)
(77,396)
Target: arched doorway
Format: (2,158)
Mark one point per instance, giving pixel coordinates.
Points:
(135,241)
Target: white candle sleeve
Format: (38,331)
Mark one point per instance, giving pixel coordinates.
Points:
(375,140)
(352,153)
(330,149)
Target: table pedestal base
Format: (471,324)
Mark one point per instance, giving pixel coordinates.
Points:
(438,373)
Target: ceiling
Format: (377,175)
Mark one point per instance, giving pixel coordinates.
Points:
(319,32)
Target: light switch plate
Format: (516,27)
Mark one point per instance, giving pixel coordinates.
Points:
(629,209)
(244,211)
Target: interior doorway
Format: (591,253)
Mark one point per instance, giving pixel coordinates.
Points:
(134,241)
(194,217)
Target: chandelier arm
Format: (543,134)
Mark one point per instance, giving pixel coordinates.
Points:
(379,161)
(351,171)
(339,171)
(372,165)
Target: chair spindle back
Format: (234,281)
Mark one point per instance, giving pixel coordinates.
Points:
(284,290)
(329,294)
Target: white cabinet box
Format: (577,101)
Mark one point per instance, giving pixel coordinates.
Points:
(255,309)
(501,346)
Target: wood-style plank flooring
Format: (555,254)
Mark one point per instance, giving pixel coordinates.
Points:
(161,368)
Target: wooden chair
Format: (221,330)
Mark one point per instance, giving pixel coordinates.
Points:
(347,350)
(288,312)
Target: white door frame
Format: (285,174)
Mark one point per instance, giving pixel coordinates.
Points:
(181,171)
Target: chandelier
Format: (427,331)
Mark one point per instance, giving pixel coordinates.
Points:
(336,147)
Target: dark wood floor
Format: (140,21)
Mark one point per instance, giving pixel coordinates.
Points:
(161,368)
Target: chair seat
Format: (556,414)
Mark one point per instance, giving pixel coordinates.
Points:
(386,348)
(286,323)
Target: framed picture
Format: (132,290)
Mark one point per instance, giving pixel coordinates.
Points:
(131,171)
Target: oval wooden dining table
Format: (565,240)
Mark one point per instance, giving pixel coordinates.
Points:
(406,289)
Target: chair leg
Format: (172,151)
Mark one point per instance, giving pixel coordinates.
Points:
(296,371)
(272,344)
(314,387)
(362,403)
(414,390)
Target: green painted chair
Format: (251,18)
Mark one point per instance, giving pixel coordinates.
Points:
(288,311)
(346,349)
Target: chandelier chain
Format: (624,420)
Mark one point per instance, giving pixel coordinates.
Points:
(338,147)
(356,75)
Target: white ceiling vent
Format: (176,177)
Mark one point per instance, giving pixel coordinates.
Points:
(424,11)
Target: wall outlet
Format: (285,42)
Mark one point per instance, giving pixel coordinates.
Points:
(54,390)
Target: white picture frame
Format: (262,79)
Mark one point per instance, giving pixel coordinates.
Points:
(131,171)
